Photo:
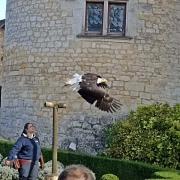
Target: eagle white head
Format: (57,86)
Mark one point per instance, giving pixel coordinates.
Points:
(101,80)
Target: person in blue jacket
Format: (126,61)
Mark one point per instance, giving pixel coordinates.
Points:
(28,152)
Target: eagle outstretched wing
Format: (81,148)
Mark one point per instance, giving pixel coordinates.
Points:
(108,104)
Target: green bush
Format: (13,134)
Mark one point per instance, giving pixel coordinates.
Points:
(109,177)
(8,173)
(151,134)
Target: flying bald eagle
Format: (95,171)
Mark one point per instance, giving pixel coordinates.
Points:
(92,87)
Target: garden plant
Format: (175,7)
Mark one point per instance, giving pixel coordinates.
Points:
(151,134)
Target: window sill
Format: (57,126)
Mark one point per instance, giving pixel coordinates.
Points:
(89,36)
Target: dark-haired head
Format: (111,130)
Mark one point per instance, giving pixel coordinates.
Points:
(25,128)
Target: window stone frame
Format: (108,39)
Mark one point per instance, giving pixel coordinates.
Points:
(128,33)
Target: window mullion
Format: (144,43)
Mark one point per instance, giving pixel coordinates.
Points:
(105,18)
(84,17)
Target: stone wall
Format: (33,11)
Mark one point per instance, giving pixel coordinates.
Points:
(42,50)
(1,52)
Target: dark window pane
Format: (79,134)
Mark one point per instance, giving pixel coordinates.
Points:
(117,18)
(94,17)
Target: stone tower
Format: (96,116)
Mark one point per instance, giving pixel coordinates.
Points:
(47,41)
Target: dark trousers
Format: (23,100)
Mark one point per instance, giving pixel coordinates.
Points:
(29,171)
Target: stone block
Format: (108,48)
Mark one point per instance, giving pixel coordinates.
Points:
(144,95)
(136,86)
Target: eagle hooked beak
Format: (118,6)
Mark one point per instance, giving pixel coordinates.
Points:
(103,81)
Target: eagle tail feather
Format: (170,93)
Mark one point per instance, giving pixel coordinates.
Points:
(116,105)
(113,108)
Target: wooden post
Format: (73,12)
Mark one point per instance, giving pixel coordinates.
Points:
(55,141)
(55,106)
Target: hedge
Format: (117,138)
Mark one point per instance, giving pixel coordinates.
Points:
(124,169)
